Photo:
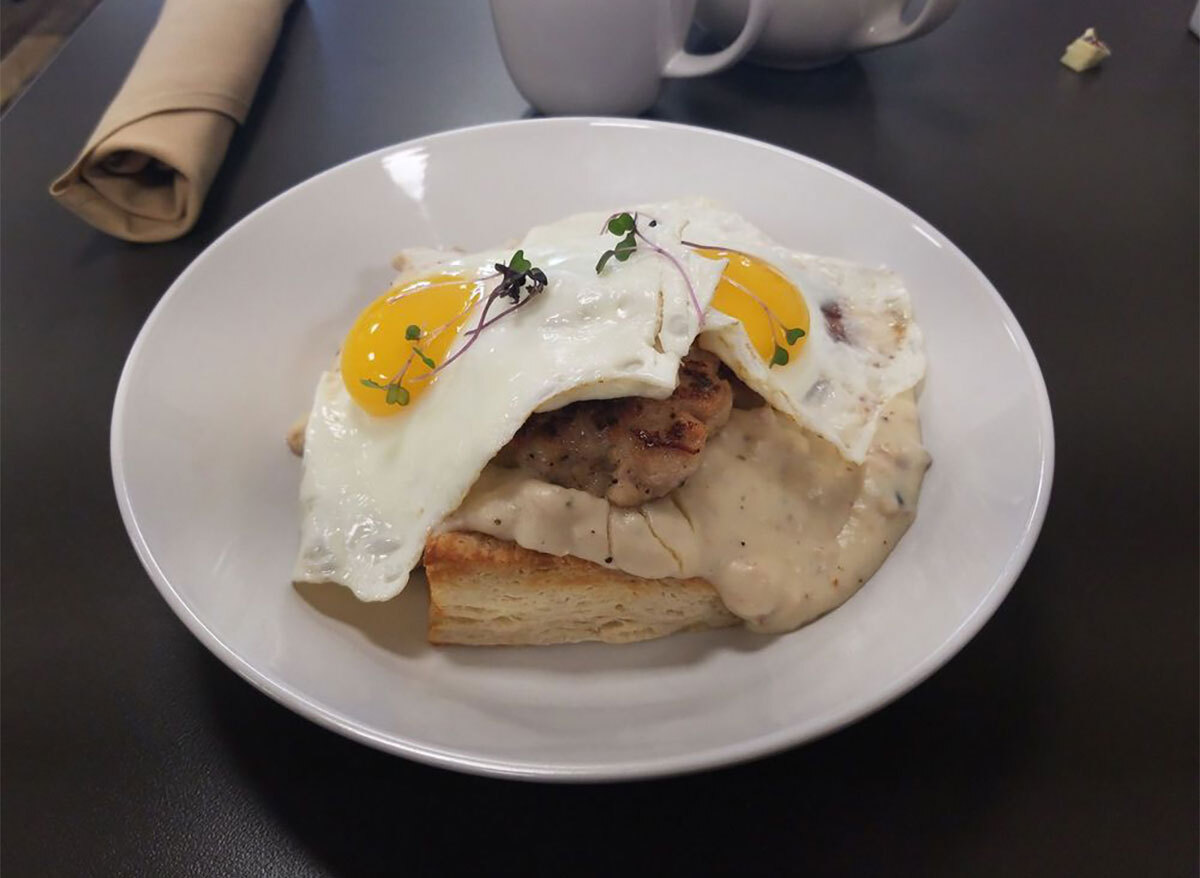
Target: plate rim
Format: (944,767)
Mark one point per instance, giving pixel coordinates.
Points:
(628,769)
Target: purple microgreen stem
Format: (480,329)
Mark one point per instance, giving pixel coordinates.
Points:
(399,376)
(499,316)
(625,226)
(682,273)
(519,275)
(777,326)
(772,319)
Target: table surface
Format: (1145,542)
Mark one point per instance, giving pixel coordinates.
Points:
(1062,740)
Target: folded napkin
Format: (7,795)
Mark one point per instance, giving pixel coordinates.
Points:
(148,165)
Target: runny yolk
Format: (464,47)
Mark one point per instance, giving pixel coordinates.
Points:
(762,298)
(378,348)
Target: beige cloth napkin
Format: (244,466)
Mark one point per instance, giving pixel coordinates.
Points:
(148,165)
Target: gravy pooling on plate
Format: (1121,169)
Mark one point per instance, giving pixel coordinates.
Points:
(775,518)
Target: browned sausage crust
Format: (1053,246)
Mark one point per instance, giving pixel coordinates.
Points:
(629,450)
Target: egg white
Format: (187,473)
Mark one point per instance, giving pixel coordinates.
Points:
(834,385)
(374,487)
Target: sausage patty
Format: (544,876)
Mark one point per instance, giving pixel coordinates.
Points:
(629,450)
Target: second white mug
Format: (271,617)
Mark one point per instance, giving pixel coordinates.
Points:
(809,33)
(606,57)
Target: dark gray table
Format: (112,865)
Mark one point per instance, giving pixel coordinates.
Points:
(1062,740)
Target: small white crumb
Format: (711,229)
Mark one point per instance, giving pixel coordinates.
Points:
(1086,52)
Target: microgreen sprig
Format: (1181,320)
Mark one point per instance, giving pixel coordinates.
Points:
(625,227)
(518,276)
(621,224)
(791,335)
(396,395)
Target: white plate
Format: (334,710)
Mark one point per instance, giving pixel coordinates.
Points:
(229,357)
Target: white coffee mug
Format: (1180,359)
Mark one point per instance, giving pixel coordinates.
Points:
(606,56)
(808,33)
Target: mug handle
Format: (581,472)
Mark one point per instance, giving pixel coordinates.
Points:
(888,28)
(684,63)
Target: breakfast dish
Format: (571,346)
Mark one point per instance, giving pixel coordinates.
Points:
(627,424)
(228,361)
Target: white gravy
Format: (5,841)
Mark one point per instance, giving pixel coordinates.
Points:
(782,526)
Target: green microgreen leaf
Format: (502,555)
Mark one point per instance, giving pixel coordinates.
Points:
(519,263)
(397,395)
(780,358)
(621,224)
(794,335)
(624,226)
(625,247)
(424,359)
(519,276)
(367,382)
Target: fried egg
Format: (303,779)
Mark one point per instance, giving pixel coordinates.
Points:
(437,374)
(824,341)
(428,388)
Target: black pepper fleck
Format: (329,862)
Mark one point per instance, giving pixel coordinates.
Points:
(608,560)
(496,522)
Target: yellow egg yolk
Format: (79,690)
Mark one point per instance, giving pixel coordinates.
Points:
(390,346)
(762,298)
